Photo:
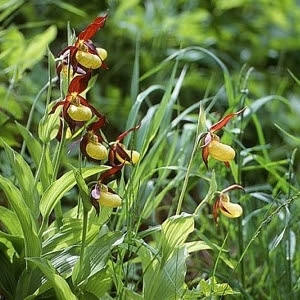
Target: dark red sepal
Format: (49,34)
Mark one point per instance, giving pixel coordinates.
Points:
(92,28)
(219,125)
(79,83)
(124,134)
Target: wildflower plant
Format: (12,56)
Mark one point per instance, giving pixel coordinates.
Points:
(122,237)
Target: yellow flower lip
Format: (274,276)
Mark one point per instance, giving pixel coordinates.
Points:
(133,155)
(88,60)
(96,151)
(102,53)
(221,152)
(231,210)
(108,199)
(79,113)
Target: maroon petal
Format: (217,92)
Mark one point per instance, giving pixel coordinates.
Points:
(110,172)
(79,83)
(216,210)
(124,134)
(92,28)
(205,155)
(233,187)
(219,125)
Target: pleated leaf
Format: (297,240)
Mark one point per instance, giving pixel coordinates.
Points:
(174,232)
(26,219)
(96,257)
(164,282)
(25,178)
(35,150)
(61,287)
(61,186)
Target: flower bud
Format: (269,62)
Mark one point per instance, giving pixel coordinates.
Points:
(220,151)
(109,199)
(96,151)
(79,113)
(88,60)
(102,53)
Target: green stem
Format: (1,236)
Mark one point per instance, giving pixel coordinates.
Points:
(57,160)
(39,169)
(187,175)
(83,238)
(216,264)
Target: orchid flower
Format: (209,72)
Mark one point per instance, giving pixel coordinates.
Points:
(212,146)
(223,204)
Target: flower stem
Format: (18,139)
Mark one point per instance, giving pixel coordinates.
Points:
(83,237)
(187,175)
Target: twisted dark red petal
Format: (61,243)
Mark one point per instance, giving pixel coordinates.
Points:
(219,125)
(92,28)
(79,83)
(124,134)
(113,170)
(233,187)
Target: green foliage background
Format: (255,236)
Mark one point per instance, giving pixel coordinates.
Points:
(258,41)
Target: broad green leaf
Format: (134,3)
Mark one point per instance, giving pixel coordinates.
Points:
(164,282)
(210,287)
(35,149)
(16,241)
(13,41)
(95,257)
(23,173)
(27,221)
(98,284)
(69,234)
(61,186)
(10,221)
(174,232)
(7,275)
(196,246)
(49,126)
(61,287)
(36,49)
(131,295)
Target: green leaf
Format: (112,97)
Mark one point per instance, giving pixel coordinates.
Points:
(69,234)
(83,190)
(10,221)
(131,295)
(36,49)
(174,232)
(164,282)
(61,287)
(23,173)
(196,246)
(27,221)
(16,242)
(210,287)
(35,149)
(49,126)
(96,257)
(61,186)
(98,284)
(7,275)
